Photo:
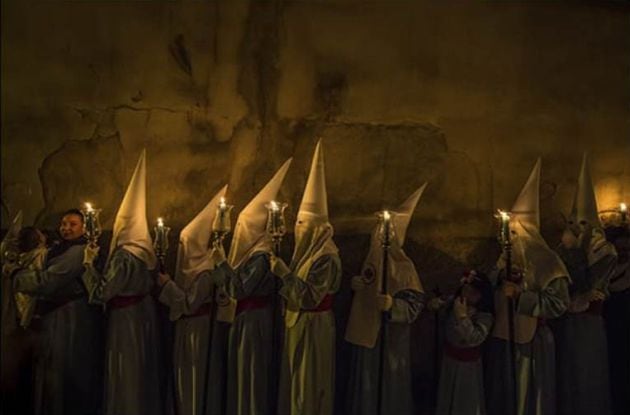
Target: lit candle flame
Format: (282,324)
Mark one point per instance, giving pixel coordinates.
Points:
(88,207)
(386,215)
(623,208)
(160,222)
(274,206)
(505,216)
(222,204)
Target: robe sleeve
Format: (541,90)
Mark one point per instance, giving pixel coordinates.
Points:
(406,306)
(46,282)
(550,302)
(244,281)
(601,272)
(103,287)
(472,331)
(308,293)
(181,302)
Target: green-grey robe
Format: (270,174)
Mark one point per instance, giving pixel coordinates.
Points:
(581,347)
(251,378)
(461,390)
(307,374)
(191,311)
(67,359)
(535,361)
(134,382)
(362,397)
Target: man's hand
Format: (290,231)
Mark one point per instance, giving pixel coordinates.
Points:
(384,302)
(278,267)
(460,308)
(358,283)
(510,289)
(163,279)
(89,254)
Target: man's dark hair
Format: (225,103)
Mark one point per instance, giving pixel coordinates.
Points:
(28,239)
(73,211)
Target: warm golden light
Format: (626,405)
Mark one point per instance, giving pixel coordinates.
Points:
(160,222)
(274,206)
(386,215)
(88,207)
(623,208)
(222,204)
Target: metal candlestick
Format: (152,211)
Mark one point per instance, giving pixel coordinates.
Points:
(160,241)
(91,224)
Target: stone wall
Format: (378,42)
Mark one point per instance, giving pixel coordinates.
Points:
(465,97)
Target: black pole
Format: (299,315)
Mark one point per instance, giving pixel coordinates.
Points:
(384,318)
(436,346)
(275,335)
(511,329)
(218,240)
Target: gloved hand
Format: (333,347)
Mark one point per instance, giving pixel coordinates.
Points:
(358,283)
(384,302)
(278,267)
(89,254)
(460,308)
(163,279)
(436,303)
(217,254)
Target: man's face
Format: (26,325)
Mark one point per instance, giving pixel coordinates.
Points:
(71,227)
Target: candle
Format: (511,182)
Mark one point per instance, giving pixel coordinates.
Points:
(386,227)
(623,209)
(505,225)
(161,239)
(275,219)
(91,224)
(223,221)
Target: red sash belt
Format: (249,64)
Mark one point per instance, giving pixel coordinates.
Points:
(462,354)
(122,301)
(324,305)
(203,310)
(252,303)
(595,307)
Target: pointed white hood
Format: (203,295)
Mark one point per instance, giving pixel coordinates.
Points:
(131,231)
(585,210)
(313,231)
(192,252)
(540,264)
(584,202)
(250,234)
(365,319)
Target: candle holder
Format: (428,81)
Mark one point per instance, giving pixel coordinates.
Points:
(276,225)
(91,224)
(160,241)
(222,223)
(386,230)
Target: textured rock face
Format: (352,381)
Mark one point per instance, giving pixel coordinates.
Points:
(401,93)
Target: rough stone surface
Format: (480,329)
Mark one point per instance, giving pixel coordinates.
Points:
(401,93)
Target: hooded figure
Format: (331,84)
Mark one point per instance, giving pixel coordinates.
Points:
(133,376)
(251,375)
(67,354)
(189,299)
(307,374)
(404,302)
(582,353)
(541,295)
(467,323)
